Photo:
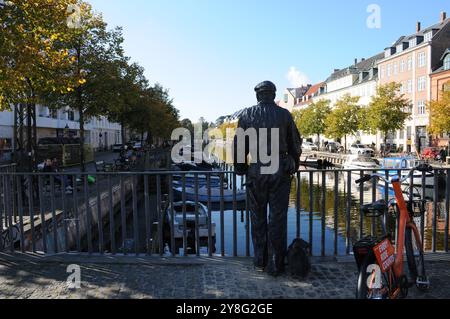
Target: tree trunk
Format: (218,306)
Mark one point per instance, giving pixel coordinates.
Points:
(122,133)
(345,143)
(82,161)
(149,138)
(80,109)
(29,146)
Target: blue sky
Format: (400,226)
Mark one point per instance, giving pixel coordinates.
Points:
(211,53)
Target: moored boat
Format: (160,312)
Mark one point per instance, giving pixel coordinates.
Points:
(215,194)
(358,163)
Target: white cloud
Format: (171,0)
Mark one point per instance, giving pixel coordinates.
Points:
(296,77)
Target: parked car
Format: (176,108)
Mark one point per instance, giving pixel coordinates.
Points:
(430,153)
(309,146)
(361,149)
(117,148)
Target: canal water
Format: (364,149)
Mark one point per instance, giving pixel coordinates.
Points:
(323,217)
(344,237)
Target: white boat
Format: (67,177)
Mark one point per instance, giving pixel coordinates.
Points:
(178,225)
(360,163)
(405,164)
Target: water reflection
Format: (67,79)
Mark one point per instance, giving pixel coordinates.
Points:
(349,200)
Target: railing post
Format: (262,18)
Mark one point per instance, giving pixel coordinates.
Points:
(112,226)
(210,246)
(31,212)
(20,207)
(447,209)
(197,231)
(88,213)
(135,208)
(99,217)
(324,210)
(184,216)
(297,205)
(435,208)
(42,213)
(336,216)
(349,204)
(222,218)
(123,218)
(235,217)
(311,214)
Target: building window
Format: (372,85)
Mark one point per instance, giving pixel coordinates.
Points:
(395,68)
(412,42)
(409,63)
(446,87)
(421,107)
(286,98)
(54,114)
(71,115)
(402,134)
(428,36)
(408,132)
(421,83)
(382,72)
(410,86)
(402,66)
(402,88)
(422,59)
(388,72)
(447,62)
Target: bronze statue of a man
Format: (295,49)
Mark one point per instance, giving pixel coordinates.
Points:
(277,133)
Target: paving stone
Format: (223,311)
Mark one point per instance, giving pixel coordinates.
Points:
(227,279)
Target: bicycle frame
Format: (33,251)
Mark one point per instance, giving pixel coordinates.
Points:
(404,221)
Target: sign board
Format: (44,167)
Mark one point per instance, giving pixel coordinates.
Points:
(385,254)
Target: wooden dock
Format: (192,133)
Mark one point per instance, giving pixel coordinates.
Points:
(336,159)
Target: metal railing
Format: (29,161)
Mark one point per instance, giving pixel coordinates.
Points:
(197,212)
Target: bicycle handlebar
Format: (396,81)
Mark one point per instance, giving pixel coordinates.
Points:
(421,168)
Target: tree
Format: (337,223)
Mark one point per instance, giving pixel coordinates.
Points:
(344,119)
(32,55)
(93,51)
(187,124)
(311,120)
(440,114)
(387,111)
(153,114)
(129,84)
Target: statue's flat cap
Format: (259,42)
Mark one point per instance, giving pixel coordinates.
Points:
(265,86)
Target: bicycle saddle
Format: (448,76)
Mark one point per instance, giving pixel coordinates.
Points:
(374,209)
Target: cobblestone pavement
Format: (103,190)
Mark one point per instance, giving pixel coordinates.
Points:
(197,278)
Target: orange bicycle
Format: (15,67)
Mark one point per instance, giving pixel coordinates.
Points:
(381,270)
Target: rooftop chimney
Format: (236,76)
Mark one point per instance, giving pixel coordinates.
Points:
(418,26)
(443,16)
(356,61)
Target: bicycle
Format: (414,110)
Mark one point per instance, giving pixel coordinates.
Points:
(381,270)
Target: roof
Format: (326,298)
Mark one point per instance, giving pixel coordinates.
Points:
(363,65)
(445,54)
(437,26)
(441,68)
(314,88)
(298,92)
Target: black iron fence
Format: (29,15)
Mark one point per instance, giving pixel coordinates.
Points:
(182,213)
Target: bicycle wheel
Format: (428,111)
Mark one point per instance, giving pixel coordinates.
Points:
(415,260)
